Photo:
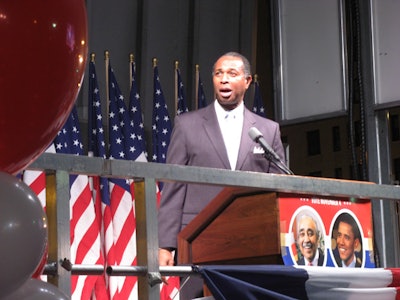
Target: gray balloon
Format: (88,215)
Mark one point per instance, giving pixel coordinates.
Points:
(23,233)
(35,289)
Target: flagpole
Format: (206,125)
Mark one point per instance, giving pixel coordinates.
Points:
(176,85)
(90,153)
(131,64)
(196,92)
(154,65)
(107,63)
(254,86)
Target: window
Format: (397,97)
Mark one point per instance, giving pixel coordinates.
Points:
(338,173)
(313,143)
(336,138)
(394,127)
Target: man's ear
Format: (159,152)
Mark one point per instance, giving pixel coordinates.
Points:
(356,244)
(248,80)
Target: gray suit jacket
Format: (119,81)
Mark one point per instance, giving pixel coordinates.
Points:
(197,140)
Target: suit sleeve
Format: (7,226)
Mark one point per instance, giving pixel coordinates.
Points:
(173,193)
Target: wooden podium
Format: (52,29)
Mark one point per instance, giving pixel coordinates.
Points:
(248,226)
(239,226)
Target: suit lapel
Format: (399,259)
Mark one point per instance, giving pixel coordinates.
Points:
(213,132)
(246,142)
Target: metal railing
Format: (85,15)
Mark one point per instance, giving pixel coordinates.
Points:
(146,175)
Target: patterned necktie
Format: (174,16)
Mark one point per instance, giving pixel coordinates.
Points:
(232,138)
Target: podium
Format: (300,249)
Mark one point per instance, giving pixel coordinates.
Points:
(239,226)
(248,226)
(244,229)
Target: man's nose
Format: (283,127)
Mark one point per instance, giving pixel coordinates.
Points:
(225,77)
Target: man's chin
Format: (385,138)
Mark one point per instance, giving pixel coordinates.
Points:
(227,103)
(309,258)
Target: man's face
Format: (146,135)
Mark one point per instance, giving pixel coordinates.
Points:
(307,238)
(346,242)
(230,82)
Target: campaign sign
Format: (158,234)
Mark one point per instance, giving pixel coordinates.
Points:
(327,232)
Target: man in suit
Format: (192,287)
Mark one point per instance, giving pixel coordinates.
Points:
(217,137)
(348,240)
(308,240)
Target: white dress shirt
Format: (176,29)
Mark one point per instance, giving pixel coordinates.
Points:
(231,124)
(314,261)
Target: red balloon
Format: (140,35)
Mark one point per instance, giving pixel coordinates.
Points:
(43,57)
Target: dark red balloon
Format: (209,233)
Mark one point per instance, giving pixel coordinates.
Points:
(43,54)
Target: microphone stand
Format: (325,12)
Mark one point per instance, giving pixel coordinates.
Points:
(277,162)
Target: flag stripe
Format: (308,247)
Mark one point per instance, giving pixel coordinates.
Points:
(122,146)
(162,127)
(84,229)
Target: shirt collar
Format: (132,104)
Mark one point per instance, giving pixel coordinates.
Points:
(222,113)
(351,265)
(314,261)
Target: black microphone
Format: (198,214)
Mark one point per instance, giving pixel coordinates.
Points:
(269,153)
(257,136)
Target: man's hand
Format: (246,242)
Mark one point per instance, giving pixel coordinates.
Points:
(165,258)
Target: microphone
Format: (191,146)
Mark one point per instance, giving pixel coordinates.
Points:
(269,153)
(257,136)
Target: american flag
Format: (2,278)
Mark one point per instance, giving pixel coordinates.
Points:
(136,121)
(136,134)
(36,180)
(202,101)
(122,146)
(161,122)
(258,104)
(170,291)
(101,192)
(84,229)
(181,107)
(161,137)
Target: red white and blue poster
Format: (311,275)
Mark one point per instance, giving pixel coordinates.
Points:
(326,232)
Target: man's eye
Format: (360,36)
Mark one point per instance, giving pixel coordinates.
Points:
(232,74)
